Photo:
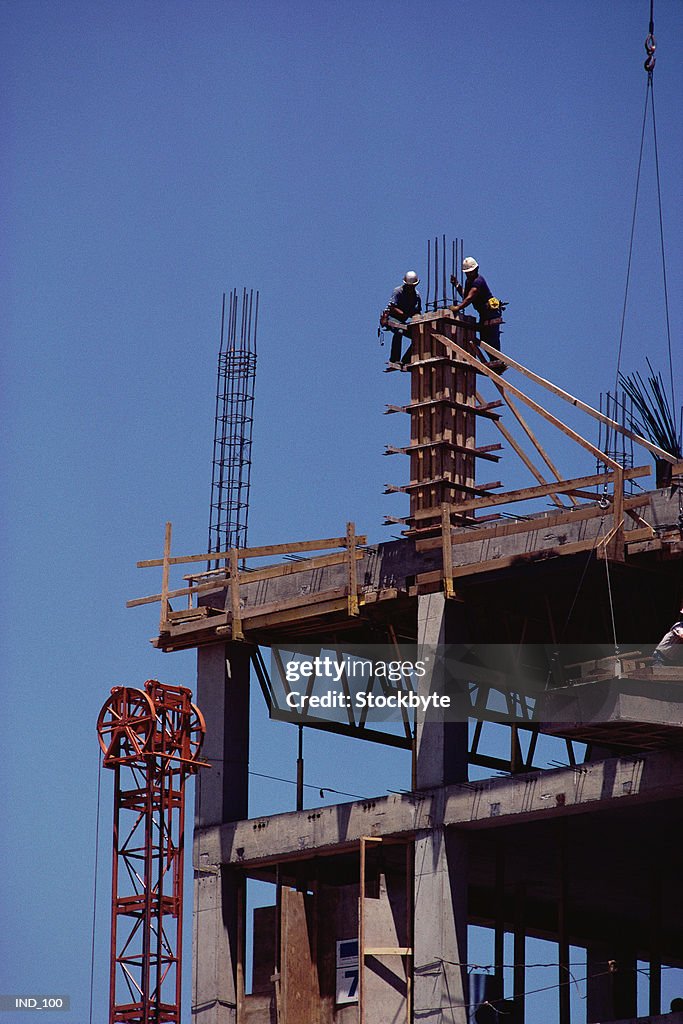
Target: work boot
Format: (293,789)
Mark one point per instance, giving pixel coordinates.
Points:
(497,365)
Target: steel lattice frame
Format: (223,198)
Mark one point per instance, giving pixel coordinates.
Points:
(151,739)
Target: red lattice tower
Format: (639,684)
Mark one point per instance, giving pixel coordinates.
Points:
(151,739)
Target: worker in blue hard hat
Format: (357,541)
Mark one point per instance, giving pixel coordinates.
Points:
(405,302)
(477,292)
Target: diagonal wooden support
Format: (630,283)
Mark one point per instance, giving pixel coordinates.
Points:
(522,454)
(659,452)
(453,347)
(549,521)
(532,437)
(543,490)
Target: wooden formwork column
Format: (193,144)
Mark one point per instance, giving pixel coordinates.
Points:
(441,425)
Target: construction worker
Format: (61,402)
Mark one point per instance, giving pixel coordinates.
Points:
(669,650)
(405,302)
(486,304)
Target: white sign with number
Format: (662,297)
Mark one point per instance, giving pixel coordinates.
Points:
(347,971)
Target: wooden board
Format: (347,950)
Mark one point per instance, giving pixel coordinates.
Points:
(505,386)
(532,525)
(299,986)
(558,487)
(261,552)
(485,409)
(561,393)
(541,554)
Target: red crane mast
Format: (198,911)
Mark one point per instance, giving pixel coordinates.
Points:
(151,740)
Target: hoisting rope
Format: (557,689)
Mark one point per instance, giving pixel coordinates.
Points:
(611,607)
(555,658)
(649,65)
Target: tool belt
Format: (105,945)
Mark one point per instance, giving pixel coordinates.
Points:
(387,322)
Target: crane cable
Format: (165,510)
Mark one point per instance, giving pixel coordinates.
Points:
(649,65)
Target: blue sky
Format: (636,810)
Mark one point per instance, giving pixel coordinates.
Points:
(157,154)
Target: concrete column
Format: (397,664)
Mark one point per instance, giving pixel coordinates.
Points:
(221,795)
(625,982)
(440,993)
(611,996)
(440,916)
(599,1001)
(214,946)
(223,698)
(441,756)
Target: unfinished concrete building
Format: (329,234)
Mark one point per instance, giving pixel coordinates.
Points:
(374,897)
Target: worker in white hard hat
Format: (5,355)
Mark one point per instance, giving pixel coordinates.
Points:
(405,302)
(477,292)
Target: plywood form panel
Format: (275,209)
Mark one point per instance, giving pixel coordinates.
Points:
(299,991)
(439,469)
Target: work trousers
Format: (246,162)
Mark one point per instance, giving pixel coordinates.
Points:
(396,346)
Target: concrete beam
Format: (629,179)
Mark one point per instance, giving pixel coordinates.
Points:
(290,836)
(587,787)
(488,804)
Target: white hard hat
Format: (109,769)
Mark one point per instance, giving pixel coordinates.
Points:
(410,277)
(469,264)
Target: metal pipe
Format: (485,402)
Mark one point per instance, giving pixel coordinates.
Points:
(564,976)
(453,246)
(655,956)
(499,924)
(300,771)
(519,952)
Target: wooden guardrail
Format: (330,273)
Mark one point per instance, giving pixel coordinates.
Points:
(232,577)
(611,506)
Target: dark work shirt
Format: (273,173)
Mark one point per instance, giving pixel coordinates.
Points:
(407,300)
(482,297)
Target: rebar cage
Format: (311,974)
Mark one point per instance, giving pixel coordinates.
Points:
(236,378)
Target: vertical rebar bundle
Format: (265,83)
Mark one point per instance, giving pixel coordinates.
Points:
(618,446)
(236,378)
(438,277)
